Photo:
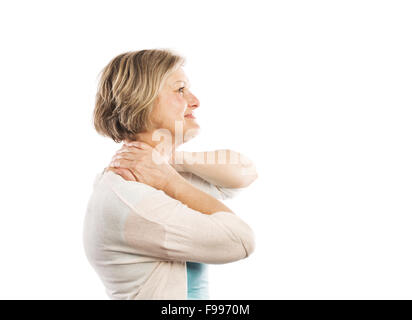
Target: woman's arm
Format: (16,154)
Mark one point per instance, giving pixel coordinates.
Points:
(185,192)
(181,189)
(163,224)
(160,226)
(225,168)
(137,164)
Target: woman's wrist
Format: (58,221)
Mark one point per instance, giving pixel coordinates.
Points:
(177,161)
(182,190)
(174,184)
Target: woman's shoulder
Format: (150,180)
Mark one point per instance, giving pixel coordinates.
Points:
(110,180)
(111,187)
(113,199)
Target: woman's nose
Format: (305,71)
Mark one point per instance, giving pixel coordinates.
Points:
(193,101)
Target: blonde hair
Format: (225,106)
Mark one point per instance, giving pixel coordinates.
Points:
(127,90)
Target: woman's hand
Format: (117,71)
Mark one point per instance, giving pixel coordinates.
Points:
(138,161)
(176,160)
(126,174)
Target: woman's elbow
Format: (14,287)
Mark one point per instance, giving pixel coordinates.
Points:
(247,176)
(236,252)
(245,243)
(238,243)
(248,243)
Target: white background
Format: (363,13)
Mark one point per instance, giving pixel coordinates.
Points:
(317,93)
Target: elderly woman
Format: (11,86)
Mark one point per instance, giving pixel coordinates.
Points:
(155,220)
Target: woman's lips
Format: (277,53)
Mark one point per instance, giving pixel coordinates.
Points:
(191,116)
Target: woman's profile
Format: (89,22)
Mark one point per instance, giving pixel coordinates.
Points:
(155,219)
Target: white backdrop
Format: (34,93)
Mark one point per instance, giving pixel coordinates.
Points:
(317,93)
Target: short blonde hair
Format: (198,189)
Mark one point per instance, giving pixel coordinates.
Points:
(128,88)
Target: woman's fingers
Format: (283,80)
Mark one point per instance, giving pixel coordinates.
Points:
(125,155)
(126,174)
(132,149)
(138,144)
(123,163)
(128,152)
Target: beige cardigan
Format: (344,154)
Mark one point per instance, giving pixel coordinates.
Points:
(138,239)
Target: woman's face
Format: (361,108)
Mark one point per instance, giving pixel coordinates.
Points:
(175,103)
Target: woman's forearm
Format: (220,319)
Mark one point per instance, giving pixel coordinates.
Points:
(180,189)
(225,168)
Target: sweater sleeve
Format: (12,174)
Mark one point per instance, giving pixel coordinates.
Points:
(162,227)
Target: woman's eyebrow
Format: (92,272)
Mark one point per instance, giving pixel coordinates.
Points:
(186,83)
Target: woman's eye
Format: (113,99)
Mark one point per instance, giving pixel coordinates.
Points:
(181,89)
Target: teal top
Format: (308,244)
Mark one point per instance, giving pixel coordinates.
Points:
(197,281)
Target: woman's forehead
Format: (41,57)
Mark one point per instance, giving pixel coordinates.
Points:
(178,77)
(179,81)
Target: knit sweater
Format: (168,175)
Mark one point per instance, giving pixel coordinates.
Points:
(138,239)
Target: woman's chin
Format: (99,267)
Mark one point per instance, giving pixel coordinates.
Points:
(191,123)
(191,132)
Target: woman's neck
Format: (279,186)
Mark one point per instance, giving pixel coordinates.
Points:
(166,146)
